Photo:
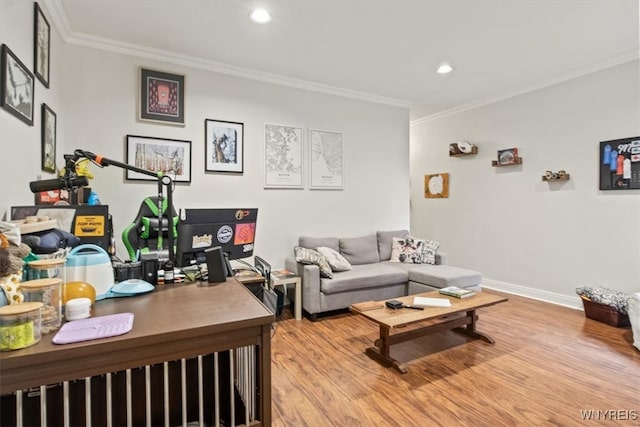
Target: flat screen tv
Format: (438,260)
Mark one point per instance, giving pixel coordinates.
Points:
(233,230)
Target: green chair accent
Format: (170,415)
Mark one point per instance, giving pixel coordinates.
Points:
(143,236)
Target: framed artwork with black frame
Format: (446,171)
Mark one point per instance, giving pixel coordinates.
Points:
(16,86)
(49,123)
(42,43)
(171,157)
(161,97)
(224,146)
(620,164)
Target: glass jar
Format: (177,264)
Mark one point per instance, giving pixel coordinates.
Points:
(46,268)
(20,325)
(49,293)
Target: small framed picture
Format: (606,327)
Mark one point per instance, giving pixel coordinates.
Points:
(161,97)
(49,120)
(171,157)
(224,146)
(436,186)
(16,86)
(42,39)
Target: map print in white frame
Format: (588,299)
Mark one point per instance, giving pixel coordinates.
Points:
(283,156)
(326,160)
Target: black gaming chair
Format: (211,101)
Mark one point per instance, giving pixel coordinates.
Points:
(143,234)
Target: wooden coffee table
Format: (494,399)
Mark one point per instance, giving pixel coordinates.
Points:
(460,317)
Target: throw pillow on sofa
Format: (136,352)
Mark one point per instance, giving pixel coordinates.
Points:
(335,260)
(412,250)
(309,256)
(406,250)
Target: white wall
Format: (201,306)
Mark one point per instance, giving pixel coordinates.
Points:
(99,93)
(527,236)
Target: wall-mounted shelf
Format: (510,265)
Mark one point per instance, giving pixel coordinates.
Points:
(474,150)
(563,178)
(496,164)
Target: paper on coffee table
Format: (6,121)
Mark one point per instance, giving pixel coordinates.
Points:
(431,302)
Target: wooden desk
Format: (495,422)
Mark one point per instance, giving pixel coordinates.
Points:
(171,323)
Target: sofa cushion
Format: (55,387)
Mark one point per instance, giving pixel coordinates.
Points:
(363,277)
(314,242)
(360,250)
(335,260)
(385,240)
(309,256)
(441,276)
(407,250)
(429,249)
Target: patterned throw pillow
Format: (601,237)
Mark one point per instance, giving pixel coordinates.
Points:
(413,250)
(334,258)
(429,249)
(309,256)
(407,250)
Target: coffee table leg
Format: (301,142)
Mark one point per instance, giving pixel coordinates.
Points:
(381,353)
(471,330)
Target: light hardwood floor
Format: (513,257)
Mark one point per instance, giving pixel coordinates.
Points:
(548,366)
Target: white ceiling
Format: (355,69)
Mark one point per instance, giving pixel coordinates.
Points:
(385,51)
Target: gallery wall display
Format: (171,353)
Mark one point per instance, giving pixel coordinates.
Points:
(436,186)
(620,164)
(283,165)
(49,122)
(224,146)
(170,157)
(42,40)
(326,164)
(16,86)
(161,97)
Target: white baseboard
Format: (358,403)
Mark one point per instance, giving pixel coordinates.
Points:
(546,296)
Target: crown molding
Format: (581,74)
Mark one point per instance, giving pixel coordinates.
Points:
(58,15)
(612,61)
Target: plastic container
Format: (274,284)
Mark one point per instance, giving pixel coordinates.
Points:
(49,293)
(20,325)
(46,269)
(78,308)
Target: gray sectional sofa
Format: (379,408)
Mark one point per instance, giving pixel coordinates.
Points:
(372,276)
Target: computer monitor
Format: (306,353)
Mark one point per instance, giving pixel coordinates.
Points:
(233,230)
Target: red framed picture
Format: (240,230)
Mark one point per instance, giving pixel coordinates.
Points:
(161,97)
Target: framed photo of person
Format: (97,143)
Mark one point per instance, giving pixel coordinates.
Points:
(161,97)
(49,122)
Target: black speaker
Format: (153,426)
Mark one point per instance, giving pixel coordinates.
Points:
(216,265)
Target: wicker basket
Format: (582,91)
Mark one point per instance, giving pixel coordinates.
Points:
(604,313)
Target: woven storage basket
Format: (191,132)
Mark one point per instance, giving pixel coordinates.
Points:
(604,313)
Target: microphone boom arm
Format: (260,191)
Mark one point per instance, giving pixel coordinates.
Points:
(163,181)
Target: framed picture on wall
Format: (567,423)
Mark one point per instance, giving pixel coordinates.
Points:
(161,97)
(16,86)
(326,165)
(42,39)
(436,186)
(171,157)
(224,146)
(49,122)
(283,165)
(620,164)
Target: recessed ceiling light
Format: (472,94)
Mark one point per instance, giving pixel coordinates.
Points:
(444,69)
(260,16)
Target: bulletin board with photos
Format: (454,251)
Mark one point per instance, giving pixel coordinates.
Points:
(620,164)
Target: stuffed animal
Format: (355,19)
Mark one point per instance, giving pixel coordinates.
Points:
(82,169)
